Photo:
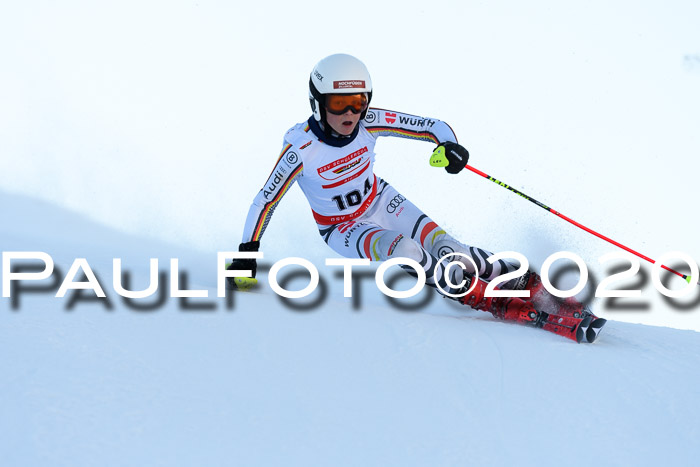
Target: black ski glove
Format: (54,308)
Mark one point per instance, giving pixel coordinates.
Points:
(457,156)
(243,263)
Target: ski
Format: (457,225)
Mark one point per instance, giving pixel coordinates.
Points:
(585,329)
(594,329)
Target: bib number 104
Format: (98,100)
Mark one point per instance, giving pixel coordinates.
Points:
(351,199)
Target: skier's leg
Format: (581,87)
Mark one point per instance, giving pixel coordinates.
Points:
(440,243)
(366,239)
(396,228)
(394,211)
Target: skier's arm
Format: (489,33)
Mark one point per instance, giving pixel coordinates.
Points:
(287,168)
(448,154)
(382,122)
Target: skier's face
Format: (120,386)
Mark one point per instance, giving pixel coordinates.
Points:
(343,111)
(343,124)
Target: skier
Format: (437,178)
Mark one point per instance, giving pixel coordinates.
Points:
(360,215)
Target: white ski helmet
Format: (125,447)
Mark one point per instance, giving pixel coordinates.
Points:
(338,74)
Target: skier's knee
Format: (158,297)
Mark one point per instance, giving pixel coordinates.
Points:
(396,245)
(446,245)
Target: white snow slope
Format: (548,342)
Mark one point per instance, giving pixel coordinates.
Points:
(136,129)
(262,384)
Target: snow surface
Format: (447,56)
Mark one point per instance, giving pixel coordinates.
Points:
(140,130)
(87,382)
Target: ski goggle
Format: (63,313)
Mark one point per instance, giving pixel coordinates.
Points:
(338,104)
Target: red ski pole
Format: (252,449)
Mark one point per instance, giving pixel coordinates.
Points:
(543,206)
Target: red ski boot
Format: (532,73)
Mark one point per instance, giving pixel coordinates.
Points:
(544,300)
(522,311)
(568,307)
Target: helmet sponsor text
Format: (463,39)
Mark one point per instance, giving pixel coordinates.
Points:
(349,84)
